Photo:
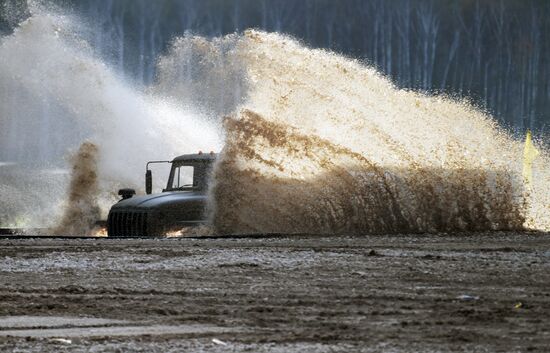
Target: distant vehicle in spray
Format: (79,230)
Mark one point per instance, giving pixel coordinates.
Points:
(181,204)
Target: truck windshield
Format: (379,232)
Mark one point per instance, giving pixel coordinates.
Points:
(182,178)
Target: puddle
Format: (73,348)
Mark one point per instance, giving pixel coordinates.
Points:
(70,327)
(18,322)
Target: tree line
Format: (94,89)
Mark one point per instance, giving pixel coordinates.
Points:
(492,52)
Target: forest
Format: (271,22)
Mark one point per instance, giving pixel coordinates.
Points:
(490,52)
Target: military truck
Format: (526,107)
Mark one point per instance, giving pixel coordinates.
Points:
(181,204)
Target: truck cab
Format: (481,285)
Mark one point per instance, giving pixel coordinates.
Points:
(181,204)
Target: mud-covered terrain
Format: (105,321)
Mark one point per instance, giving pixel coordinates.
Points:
(481,292)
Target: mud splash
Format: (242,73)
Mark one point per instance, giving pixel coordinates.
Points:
(310,185)
(316,143)
(82,208)
(324,144)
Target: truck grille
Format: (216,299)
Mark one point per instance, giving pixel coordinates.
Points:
(127,224)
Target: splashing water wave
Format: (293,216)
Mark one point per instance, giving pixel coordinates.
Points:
(56,93)
(315,142)
(324,144)
(310,185)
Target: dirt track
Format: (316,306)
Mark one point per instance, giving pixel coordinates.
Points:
(482,292)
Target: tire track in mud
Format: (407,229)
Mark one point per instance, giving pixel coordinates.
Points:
(353,291)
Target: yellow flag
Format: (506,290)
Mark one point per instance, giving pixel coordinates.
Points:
(529,155)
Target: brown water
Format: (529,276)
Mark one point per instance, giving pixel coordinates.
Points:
(325,144)
(314,142)
(81,210)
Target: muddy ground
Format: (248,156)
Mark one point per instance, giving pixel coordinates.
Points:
(408,293)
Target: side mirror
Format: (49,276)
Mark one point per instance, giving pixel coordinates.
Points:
(126,193)
(148,182)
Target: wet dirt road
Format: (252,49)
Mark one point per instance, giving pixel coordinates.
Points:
(409,293)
